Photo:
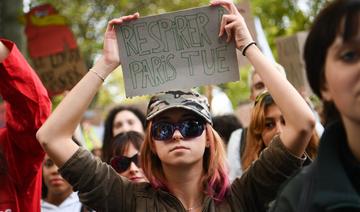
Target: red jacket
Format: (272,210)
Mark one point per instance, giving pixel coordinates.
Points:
(27,107)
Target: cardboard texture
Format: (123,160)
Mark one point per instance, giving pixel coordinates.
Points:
(176,50)
(290,51)
(60,72)
(53,49)
(244,9)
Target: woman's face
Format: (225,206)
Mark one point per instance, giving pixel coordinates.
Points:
(342,76)
(133,172)
(274,123)
(257,86)
(54,182)
(125,121)
(178,150)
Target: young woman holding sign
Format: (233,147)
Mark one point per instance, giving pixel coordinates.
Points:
(182,156)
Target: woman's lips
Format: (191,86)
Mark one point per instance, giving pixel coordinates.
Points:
(136,178)
(179,148)
(56,181)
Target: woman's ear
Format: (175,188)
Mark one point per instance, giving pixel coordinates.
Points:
(325,93)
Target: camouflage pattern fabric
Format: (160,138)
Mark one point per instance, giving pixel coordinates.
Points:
(189,100)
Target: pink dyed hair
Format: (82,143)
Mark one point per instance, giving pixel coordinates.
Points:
(215,179)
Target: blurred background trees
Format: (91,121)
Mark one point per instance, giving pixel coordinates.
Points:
(88,19)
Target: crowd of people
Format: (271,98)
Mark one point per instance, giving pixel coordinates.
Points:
(177,156)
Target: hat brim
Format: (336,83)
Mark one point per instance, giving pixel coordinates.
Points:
(181,107)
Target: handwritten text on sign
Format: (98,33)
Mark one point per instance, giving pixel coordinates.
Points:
(175,51)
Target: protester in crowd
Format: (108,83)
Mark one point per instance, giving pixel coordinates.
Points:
(126,155)
(182,156)
(57,193)
(27,106)
(225,125)
(256,84)
(237,141)
(267,122)
(120,119)
(331,55)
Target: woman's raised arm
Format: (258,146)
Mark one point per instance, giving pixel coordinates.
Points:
(55,135)
(298,116)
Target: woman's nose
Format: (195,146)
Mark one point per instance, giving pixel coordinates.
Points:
(133,168)
(279,128)
(177,135)
(126,128)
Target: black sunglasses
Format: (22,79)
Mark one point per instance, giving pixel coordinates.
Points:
(122,163)
(189,129)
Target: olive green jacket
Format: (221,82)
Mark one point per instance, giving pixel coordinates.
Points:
(323,186)
(102,189)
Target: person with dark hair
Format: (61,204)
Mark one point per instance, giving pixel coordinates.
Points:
(182,155)
(125,157)
(120,119)
(27,106)
(332,60)
(57,193)
(225,125)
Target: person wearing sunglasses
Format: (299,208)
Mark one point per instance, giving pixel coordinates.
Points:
(182,155)
(126,157)
(120,119)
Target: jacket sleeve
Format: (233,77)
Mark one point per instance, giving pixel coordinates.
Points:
(259,185)
(296,194)
(98,185)
(27,106)
(27,101)
(282,204)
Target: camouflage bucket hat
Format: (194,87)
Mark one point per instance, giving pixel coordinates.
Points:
(188,100)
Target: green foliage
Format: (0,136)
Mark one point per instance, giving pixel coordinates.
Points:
(88,21)
(278,18)
(238,91)
(284,17)
(89,18)
(56,101)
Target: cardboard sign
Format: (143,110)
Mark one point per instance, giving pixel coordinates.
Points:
(61,71)
(47,32)
(244,9)
(53,49)
(290,51)
(175,51)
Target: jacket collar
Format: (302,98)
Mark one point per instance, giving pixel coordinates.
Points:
(332,185)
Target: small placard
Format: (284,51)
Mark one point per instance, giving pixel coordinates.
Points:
(175,51)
